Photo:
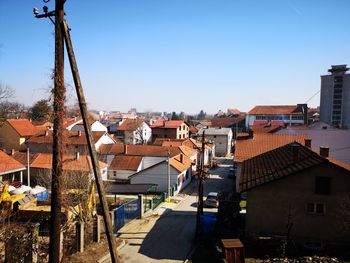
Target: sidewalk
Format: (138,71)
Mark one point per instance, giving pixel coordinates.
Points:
(164,235)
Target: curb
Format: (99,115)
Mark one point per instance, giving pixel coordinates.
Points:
(108,255)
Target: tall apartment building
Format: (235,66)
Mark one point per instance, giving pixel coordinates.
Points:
(335,97)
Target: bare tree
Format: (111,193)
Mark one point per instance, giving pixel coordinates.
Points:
(6,92)
(140,135)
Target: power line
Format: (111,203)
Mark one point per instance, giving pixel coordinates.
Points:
(313,96)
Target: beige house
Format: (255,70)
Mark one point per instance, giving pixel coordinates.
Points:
(295,188)
(173,129)
(15,133)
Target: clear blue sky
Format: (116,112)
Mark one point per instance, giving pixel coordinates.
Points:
(179,55)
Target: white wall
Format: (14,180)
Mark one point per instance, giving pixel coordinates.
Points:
(105,139)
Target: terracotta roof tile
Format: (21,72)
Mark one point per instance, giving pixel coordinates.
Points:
(172,124)
(265,129)
(24,127)
(121,162)
(8,163)
(263,142)
(70,163)
(130,125)
(138,150)
(275,110)
(276,164)
(69,137)
(226,122)
(179,165)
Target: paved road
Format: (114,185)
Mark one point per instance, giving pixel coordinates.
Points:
(169,237)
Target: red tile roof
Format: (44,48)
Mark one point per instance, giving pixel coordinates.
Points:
(24,127)
(263,142)
(138,150)
(70,163)
(121,162)
(276,164)
(9,164)
(179,165)
(226,122)
(265,129)
(130,125)
(173,124)
(69,121)
(69,137)
(275,110)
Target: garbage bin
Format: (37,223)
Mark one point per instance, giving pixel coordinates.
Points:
(208,224)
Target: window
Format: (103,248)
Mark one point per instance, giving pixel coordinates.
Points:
(180,128)
(316,208)
(115,173)
(322,185)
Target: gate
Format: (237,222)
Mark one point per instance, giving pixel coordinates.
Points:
(157,200)
(125,213)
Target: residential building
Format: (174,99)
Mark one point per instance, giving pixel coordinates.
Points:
(10,169)
(221,137)
(335,97)
(95,126)
(15,133)
(77,166)
(236,124)
(135,131)
(73,141)
(122,166)
(180,174)
(259,144)
(289,114)
(173,129)
(295,192)
(321,134)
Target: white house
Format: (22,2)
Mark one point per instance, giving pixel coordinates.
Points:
(135,131)
(95,126)
(180,174)
(221,138)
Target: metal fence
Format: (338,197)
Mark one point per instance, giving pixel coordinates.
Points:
(125,213)
(157,200)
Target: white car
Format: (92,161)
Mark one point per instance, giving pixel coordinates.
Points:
(212,200)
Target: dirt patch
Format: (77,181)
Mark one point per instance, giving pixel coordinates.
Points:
(92,253)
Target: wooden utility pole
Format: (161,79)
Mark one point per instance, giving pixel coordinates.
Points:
(58,106)
(200,189)
(91,144)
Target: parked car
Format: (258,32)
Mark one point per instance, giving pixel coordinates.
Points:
(212,200)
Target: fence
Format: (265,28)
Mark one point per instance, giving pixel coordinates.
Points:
(125,213)
(157,200)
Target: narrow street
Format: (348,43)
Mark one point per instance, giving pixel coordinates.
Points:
(169,237)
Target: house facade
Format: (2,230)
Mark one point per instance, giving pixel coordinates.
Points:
(221,138)
(15,133)
(290,114)
(173,129)
(135,131)
(180,174)
(294,187)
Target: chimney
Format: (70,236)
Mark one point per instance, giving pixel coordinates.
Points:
(307,143)
(79,133)
(77,156)
(12,151)
(125,148)
(181,158)
(295,152)
(46,132)
(324,151)
(251,134)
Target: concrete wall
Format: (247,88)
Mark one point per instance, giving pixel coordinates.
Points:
(268,206)
(222,143)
